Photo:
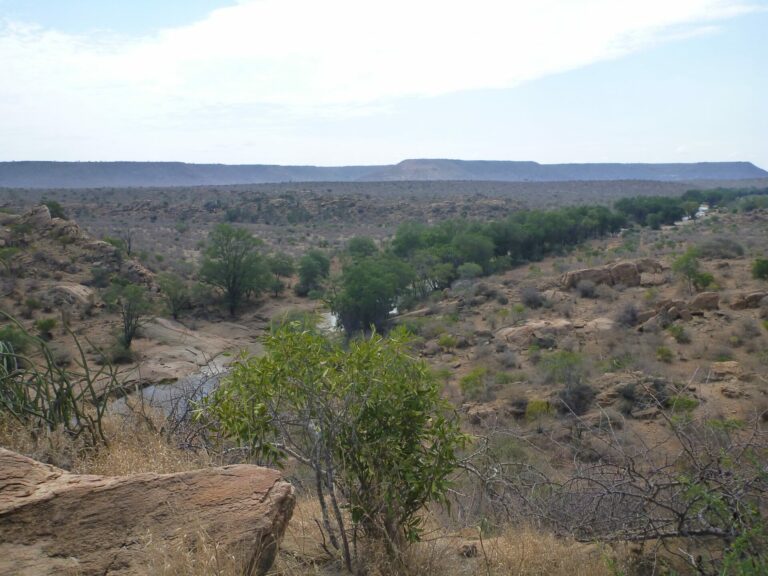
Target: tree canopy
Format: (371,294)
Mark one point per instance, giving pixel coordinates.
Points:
(232,262)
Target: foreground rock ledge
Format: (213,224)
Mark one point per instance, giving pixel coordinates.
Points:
(54,522)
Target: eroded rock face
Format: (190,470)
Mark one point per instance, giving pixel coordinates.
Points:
(53,522)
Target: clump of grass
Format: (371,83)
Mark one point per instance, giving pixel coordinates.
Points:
(679,403)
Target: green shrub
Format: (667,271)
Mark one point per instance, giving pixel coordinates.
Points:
(469,270)
(664,354)
(447,341)
(33,303)
(474,385)
(681,404)
(703,280)
(363,415)
(537,409)
(679,333)
(100,277)
(562,367)
(45,326)
(19,340)
(503,378)
(760,269)
(56,209)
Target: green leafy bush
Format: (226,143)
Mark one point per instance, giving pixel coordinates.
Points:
(365,417)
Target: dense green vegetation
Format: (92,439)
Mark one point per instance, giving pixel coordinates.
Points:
(233,263)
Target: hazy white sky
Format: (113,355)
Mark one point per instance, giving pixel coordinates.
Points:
(352,82)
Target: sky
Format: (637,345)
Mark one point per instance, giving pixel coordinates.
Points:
(338,82)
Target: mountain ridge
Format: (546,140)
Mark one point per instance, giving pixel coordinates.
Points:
(51,174)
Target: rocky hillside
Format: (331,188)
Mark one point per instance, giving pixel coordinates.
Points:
(53,279)
(610,329)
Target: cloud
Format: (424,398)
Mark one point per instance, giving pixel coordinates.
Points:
(277,59)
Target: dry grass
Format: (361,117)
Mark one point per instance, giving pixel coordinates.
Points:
(520,551)
(191,555)
(134,447)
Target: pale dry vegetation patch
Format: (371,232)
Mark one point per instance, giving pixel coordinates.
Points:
(191,554)
(135,446)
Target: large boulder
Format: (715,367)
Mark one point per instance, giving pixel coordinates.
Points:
(53,522)
(625,273)
(597,275)
(533,332)
(649,266)
(750,300)
(704,301)
(38,217)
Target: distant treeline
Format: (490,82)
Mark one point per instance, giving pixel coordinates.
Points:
(422,258)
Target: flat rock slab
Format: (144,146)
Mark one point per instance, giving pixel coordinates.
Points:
(54,522)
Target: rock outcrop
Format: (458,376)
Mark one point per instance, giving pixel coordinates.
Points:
(53,522)
(750,300)
(597,275)
(628,274)
(534,332)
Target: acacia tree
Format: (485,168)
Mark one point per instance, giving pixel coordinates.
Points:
(131,301)
(232,262)
(366,418)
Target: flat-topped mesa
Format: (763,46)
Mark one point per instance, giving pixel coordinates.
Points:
(57,523)
(36,174)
